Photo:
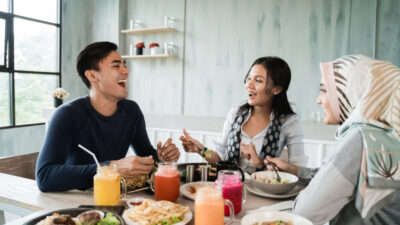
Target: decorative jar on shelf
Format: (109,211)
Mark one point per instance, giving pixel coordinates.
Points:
(154,48)
(139,48)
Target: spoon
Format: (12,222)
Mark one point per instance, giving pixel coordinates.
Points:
(278,178)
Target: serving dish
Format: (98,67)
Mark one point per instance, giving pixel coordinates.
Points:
(73,212)
(151,210)
(254,218)
(254,190)
(189,190)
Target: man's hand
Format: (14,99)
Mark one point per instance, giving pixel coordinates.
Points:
(249,152)
(281,165)
(133,166)
(168,152)
(190,144)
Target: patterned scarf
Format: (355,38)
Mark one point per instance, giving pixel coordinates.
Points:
(270,144)
(368,98)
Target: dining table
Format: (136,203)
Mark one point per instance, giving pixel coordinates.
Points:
(22,197)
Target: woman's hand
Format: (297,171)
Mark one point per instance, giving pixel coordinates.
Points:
(190,144)
(249,152)
(281,165)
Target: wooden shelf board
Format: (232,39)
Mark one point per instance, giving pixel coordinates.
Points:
(147,56)
(149,30)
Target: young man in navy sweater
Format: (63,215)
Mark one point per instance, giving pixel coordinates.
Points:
(105,122)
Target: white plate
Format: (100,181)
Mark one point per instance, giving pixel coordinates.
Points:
(186,219)
(253,218)
(185,191)
(254,190)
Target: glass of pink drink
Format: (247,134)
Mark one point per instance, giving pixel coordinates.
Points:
(209,207)
(232,189)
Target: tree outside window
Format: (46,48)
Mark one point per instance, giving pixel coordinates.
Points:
(29,59)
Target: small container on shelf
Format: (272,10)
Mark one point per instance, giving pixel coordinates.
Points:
(135,24)
(139,48)
(169,48)
(154,48)
(169,21)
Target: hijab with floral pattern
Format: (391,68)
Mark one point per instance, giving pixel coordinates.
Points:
(364,93)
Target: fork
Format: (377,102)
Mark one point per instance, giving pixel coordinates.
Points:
(278,178)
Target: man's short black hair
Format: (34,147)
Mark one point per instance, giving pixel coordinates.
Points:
(91,55)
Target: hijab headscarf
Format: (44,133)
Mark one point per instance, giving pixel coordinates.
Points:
(364,94)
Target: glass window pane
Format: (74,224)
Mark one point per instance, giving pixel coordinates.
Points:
(33,93)
(4,100)
(36,46)
(4,5)
(2,41)
(46,10)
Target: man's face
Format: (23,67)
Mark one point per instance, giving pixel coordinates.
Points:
(112,77)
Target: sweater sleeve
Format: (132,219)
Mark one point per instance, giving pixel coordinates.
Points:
(294,141)
(140,140)
(52,174)
(334,184)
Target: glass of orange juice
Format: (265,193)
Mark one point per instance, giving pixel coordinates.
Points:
(209,207)
(107,186)
(166,182)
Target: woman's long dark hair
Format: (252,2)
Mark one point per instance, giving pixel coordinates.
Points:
(280,74)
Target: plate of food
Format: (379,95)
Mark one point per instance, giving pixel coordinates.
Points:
(139,183)
(157,212)
(255,190)
(211,168)
(274,218)
(189,190)
(73,216)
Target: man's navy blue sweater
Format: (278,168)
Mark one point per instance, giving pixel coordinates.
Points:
(62,165)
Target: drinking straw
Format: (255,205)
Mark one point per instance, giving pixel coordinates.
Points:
(91,153)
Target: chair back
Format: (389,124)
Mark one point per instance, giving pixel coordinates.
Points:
(20,165)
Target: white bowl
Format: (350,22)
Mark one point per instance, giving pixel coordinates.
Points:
(274,188)
(259,217)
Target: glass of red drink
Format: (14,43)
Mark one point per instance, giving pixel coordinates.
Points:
(232,189)
(167,182)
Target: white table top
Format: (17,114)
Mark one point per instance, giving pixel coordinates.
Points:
(23,194)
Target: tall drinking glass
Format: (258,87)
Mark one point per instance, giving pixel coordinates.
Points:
(107,186)
(232,189)
(166,182)
(209,207)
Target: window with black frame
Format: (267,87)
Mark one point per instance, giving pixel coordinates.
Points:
(30,49)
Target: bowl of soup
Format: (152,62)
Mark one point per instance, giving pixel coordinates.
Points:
(267,182)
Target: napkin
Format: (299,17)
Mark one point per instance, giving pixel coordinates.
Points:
(286,205)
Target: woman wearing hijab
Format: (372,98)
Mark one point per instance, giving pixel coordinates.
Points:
(360,184)
(261,127)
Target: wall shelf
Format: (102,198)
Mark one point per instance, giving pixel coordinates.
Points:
(147,56)
(149,30)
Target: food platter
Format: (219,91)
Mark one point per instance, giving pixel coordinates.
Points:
(254,190)
(150,211)
(285,217)
(189,190)
(73,212)
(188,217)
